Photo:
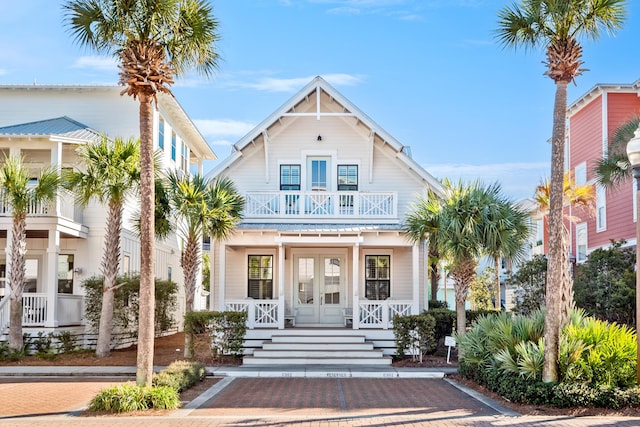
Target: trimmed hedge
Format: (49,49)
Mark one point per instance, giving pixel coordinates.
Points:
(226,329)
(180,375)
(414,333)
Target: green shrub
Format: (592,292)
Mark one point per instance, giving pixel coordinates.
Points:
(414,333)
(433,304)
(180,375)
(131,397)
(445,320)
(67,342)
(225,328)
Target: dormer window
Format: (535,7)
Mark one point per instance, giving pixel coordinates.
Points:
(290,177)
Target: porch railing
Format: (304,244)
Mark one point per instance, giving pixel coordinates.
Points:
(260,313)
(4,313)
(379,314)
(34,309)
(67,207)
(69,309)
(318,204)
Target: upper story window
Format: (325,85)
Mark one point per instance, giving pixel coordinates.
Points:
(161,133)
(185,157)
(290,177)
(539,232)
(347,177)
(174,145)
(319,179)
(581,242)
(601,208)
(581,174)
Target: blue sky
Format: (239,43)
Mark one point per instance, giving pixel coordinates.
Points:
(429,72)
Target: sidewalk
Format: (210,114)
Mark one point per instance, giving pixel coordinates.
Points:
(309,371)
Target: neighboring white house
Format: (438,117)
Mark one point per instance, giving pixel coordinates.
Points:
(321,242)
(44,125)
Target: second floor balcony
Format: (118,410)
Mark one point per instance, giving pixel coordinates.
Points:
(64,207)
(321,204)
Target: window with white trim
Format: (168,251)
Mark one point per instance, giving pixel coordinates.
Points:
(347,177)
(290,177)
(539,232)
(161,133)
(601,208)
(260,276)
(581,174)
(581,242)
(174,145)
(184,154)
(377,277)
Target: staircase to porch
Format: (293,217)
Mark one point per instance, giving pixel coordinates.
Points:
(317,347)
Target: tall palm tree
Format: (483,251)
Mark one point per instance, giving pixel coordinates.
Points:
(615,167)
(507,229)
(111,175)
(458,224)
(200,208)
(18,194)
(556,25)
(154,41)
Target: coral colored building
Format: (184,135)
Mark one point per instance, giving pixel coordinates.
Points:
(592,121)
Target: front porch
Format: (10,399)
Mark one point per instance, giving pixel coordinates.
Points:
(39,310)
(268,313)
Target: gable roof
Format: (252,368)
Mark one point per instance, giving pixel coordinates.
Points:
(58,129)
(600,88)
(315,88)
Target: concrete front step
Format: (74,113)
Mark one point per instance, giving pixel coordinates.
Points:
(335,346)
(317,338)
(250,360)
(345,355)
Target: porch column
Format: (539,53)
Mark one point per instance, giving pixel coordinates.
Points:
(415,309)
(51,278)
(281,286)
(56,162)
(356,285)
(221,275)
(212,272)
(7,250)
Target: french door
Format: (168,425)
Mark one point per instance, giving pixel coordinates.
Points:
(319,282)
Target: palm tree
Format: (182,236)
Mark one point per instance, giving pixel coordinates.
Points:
(557,25)
(615,168)
(19,194)
(507,229)
(458,223)
(154,41)
(112,173)
(200,208)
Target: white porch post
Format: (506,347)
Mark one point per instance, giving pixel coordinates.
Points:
(281,286)
(212,272)
(221,275)
(356,286)
(56,162)
(51,278)
(415,309)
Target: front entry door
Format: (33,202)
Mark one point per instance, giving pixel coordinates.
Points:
(319,289)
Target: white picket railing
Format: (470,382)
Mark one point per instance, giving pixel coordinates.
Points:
(67,207)
(34,309)
(4,312)
(379,314)
(319,204)
(260,313)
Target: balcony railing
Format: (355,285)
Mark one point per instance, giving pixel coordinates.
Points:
(319,204)
(379,314)
(67,207)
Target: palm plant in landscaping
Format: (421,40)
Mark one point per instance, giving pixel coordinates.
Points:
(19,194)
(461,226)
(111,174)
(557,25)
(154,42)
(614,169)
(200,208)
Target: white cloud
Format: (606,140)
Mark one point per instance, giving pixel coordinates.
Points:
(101,63)
(272,84)
(223,128)
(3,71)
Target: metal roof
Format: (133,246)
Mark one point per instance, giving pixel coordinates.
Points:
(59,127)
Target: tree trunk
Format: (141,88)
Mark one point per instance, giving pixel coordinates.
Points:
(496,261)
(144,371)
(16,280)
(463,272)
(110,266)
(434,276)
(191,260)
(555,265)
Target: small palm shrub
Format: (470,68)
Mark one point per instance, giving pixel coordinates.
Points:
(131,397)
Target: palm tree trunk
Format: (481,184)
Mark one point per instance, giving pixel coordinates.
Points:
(556,266)
(191,261)
(433,277)
(110,266)
(144,371)
(16,280)
(462,272)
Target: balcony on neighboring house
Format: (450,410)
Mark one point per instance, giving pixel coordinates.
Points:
(321,205)
(64,207)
